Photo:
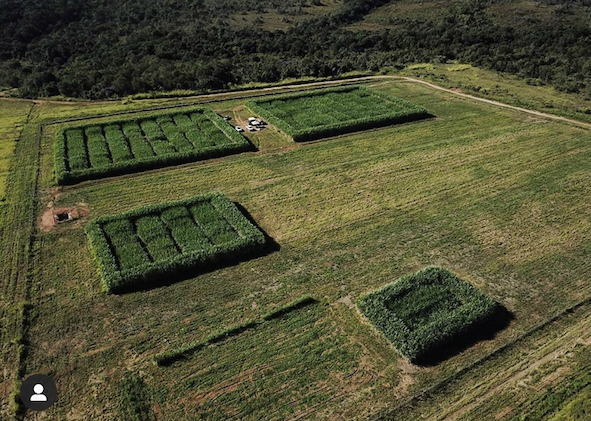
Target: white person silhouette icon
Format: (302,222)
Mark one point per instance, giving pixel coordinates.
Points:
(38,396)
(38,392)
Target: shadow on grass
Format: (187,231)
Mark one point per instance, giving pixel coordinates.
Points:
(271,245)
(180,275)
(324,134)
(484,331)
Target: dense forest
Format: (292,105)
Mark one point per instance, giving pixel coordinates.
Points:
(110,48)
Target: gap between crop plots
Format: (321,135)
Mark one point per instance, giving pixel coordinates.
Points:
(328,112)
(139,248)
(139,143)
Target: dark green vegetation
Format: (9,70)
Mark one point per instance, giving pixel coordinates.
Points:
(169,357)
(73,48)
(330,112)
(130,145)
(134,399)
(423,312)
(497,196)
(140,247)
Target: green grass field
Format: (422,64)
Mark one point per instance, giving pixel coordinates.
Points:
(496,196)
(506,88)
(129,145)
(13,115)
(328,112)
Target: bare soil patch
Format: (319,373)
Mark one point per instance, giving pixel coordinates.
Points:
(53,216)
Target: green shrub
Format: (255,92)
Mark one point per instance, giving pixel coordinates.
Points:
(134,144)
(423,312)
(327,112)
(141,247)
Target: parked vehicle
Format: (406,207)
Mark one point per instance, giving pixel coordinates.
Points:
(239,129)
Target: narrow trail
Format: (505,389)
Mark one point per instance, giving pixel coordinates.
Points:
(498,103)
(334,82)
(237,119)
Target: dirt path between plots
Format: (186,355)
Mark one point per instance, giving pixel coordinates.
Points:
(237,119)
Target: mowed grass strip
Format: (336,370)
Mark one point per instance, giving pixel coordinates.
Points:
(266,372)
(138,248)
(423,312)
(321,113)
(134,144)
(13,116)
(169,357)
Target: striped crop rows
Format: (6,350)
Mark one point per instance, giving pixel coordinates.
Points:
(141,246)
(131,145)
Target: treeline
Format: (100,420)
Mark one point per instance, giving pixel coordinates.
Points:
(107,48)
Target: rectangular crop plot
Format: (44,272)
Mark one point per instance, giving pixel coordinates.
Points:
(140,247)
(423,312)
(328,112)
(134,144)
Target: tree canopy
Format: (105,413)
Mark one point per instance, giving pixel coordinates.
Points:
(107,48)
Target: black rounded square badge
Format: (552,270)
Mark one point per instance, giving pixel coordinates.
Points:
(38,392)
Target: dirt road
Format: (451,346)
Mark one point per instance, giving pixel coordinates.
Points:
(342,81)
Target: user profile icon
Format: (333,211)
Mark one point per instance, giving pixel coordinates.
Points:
(38,392)
(38,396)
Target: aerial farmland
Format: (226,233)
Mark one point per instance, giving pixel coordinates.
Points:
(382,249)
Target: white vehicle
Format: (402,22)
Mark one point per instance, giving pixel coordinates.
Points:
(255,122)
(227,118)
(251,119)
(250,128)
(239,129)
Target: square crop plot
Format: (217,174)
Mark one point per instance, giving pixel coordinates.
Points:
(329,112)
(138,248)
(134,144)
(423,312)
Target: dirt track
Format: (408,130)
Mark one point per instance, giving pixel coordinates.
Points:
(341,81)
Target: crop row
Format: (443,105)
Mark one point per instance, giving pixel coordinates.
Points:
(418,316)
(133,144)
(145,245)
(329,112)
